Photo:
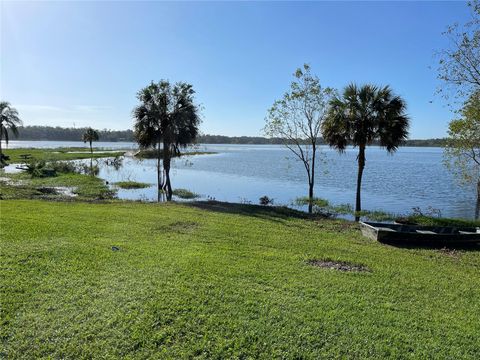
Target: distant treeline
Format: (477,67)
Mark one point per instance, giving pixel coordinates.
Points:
(49,133)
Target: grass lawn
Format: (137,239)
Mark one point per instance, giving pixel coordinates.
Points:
(72,153)
(135,280)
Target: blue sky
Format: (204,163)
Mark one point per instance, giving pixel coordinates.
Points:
(65,63)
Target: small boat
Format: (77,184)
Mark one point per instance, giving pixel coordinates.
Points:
(425,235)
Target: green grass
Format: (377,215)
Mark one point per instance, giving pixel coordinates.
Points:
(437,221)
(131,185)
(316,201)
(185,194)
(72,153)
(210,280)
(23,186)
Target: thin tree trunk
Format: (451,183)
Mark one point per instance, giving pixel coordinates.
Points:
(310,197)
(361,166)
(477,208)
(311,181)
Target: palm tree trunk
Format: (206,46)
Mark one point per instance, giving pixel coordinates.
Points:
(477,208)
(361,166)
(91,149)
(159,181)
(168,184)
(159,173)
(166,167)
(1,153)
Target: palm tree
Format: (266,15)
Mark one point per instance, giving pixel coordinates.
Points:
(9,121)
(361,116)
(167,120)
(90,135)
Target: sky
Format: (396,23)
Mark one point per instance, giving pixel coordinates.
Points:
(82,63)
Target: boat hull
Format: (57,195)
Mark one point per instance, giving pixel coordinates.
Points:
(425,235)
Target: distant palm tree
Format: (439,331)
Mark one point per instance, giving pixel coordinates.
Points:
(361,116)
(90,135)
(9,121)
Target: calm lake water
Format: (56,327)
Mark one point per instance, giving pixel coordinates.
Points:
(412,177)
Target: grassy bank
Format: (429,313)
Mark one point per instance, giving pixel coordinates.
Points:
(83,280)
(78,186)
(72,153)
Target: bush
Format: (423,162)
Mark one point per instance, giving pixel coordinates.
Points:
(39,169)
(318,202)
(265,200)
(131,185)
(185,194)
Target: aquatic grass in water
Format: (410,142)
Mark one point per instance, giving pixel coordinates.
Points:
(131,185)
(318,202)
(185,194)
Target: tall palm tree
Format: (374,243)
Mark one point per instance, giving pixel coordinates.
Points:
(9,121)
(167,120)
(361,116)
(90,135)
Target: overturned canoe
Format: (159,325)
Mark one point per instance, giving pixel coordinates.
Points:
(431,235)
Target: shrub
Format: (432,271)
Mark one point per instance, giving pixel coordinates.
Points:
(185,194)
(318,202)
(265,200)
(131,185)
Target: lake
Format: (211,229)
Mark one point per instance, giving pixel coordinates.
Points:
(412,177)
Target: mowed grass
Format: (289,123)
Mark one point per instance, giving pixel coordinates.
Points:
(186,281)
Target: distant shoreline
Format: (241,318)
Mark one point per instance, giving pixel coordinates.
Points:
(49,133)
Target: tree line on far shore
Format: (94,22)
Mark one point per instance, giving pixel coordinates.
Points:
(51,133)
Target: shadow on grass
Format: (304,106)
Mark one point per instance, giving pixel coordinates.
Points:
(273,213)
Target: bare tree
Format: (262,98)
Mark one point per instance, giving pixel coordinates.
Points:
(459,65)
(297,119)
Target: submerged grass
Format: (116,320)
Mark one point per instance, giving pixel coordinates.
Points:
(153,153)
(185,194)
(131,185)
(210,280)
(71,153)
(85,187)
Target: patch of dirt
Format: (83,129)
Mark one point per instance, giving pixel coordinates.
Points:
(338,265)
(452,253)
(181,227)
